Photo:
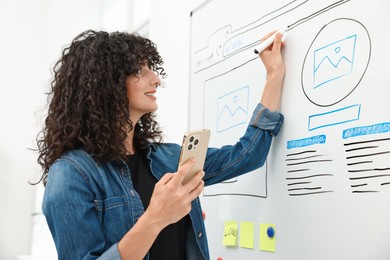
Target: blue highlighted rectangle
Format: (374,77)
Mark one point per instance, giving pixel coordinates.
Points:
(367,130)
(335,117)
(318,139)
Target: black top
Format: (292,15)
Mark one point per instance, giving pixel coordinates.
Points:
(171,242)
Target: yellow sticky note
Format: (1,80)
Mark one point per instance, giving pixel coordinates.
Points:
(267,241)
(230,233)
(247,234)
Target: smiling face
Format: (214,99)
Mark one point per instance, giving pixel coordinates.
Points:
(141,90)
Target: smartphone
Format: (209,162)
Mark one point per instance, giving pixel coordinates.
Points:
(195,144)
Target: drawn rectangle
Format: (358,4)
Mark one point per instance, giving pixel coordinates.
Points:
(334,60)
(335,117)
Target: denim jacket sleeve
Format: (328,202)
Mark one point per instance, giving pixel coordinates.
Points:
(69,208)
(249,153)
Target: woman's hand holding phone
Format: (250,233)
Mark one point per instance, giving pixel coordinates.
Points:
(171,199)
(173,194)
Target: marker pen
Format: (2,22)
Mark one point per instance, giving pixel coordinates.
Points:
(264,44)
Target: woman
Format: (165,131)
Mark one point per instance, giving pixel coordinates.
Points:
(113,190)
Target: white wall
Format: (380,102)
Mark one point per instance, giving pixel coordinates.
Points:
(60,30)
(169,29)
(21,52)
(33,35)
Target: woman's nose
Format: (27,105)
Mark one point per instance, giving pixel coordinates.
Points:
(157,80)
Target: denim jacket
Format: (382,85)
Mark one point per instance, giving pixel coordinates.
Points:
(90,207)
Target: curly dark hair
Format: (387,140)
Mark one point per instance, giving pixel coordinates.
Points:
(88,105)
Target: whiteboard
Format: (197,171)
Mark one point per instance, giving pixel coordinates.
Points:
(326,183)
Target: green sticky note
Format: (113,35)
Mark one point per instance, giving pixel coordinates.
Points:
(247,234)
(267,239)
(230,233)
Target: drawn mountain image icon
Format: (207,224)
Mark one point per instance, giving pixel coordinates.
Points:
(232,109)
(334,61)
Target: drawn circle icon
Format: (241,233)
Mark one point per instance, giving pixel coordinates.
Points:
(336,62)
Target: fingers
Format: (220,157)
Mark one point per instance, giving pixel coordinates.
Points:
(166,178)
(183,170)
(197,191)
(268,35)
(277,42)
(171,200)
(192,188)
(275,38)
(194,182)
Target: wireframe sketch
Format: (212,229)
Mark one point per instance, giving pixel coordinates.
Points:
(227,106)
(232,109)
(336,62)
(367,150)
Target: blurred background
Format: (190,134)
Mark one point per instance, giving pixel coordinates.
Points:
(33,34)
